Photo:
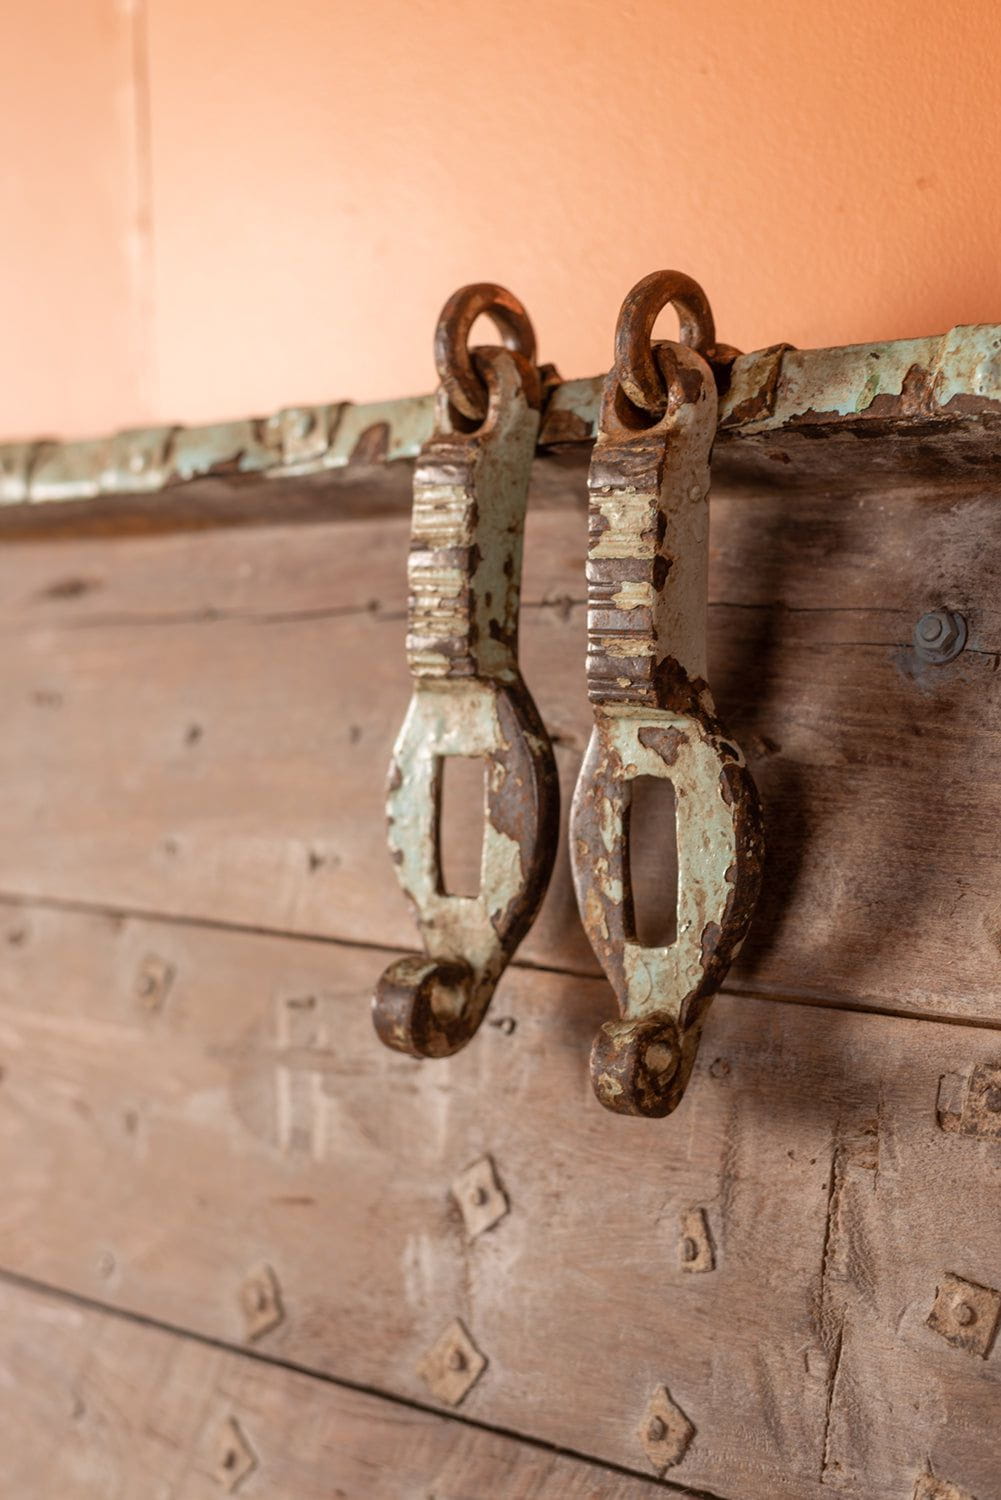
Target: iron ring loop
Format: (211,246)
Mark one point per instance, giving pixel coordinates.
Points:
(453,361)
(635,366)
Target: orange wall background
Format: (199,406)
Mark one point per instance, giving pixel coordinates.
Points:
(213,207)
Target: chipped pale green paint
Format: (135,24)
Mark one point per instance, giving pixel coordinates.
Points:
(464,573)
(664,979)
(449,719)
(769,390)
(647,573)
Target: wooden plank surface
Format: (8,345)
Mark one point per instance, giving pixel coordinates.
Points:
(187,1116)
(98,1407)
(200,725)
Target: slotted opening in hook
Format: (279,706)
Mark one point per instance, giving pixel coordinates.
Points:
(461,817)
(652,861)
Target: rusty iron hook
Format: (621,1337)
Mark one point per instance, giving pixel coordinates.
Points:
(469,699)
(647,578)
(466,388)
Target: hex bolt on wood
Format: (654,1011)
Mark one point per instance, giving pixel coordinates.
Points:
(940,636)
(469,699)
(647,579)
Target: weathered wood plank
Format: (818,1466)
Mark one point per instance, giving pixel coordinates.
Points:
(182,1108)
(200,726)
(97,1407)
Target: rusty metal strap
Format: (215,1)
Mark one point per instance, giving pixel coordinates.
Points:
(951,379)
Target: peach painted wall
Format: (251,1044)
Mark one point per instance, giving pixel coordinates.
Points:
(211,207)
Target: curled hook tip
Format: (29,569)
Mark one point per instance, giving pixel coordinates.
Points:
(424,1006)
(636,1066)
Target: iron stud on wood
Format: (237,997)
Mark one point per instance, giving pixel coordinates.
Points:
(665,1432)
(452,1365)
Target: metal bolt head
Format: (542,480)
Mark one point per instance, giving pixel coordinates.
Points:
(480,1198)
(664,1432)
(939,636)
(235,1458)
(261,1302)
(452,1366)
(965,1314)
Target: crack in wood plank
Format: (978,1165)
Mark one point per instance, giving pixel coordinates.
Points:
(143,1320)
(25,900)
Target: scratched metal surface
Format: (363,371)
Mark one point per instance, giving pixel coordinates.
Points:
(945,388)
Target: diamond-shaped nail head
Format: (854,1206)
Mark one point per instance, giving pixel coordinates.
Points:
(665,1432)
(965,1314)
(261,1302)
(452,1365)
(235,1458)
(481,1199)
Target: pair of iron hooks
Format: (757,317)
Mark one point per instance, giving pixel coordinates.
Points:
(646,674)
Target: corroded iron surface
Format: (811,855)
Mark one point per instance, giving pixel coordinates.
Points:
(940,386)
(654,716)
(470,494)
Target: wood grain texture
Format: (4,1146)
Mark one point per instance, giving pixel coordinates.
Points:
(108,1409)
(201,725)
(182,1108)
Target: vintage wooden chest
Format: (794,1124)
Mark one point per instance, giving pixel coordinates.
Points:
(237,1245)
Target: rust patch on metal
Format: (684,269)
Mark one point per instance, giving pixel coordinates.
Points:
(372,445)
(759,403)
(654,715)
(464,570)
(564,427)
(664,740)
(965,1314)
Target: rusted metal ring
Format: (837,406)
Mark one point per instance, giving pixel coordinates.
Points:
(636,368)
(453,361)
